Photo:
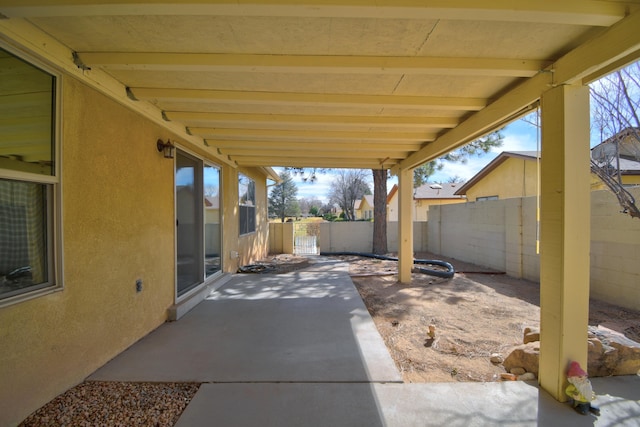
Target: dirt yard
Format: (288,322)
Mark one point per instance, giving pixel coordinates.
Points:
(474,315)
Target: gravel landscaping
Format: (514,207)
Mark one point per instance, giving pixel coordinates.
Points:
(97,403)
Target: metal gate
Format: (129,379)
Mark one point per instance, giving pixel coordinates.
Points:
(306,238)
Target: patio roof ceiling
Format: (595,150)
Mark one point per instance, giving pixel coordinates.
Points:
(344,83)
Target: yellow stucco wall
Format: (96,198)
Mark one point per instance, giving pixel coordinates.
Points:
(515,177)
(252,246)
(364,211)
(118,222)
(597,184)
(118,219)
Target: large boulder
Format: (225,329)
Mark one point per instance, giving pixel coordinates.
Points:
(523,356)
(610,353)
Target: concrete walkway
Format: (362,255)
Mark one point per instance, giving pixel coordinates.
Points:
(300,349)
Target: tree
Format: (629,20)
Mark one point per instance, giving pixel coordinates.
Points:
(282,199)
(348,186)
(379,211)
(309,205)
(616,102)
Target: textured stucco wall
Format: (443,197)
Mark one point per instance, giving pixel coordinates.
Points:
(252,246)
(514,178)
(118,219)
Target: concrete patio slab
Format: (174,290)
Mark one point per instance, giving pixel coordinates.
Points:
(305,326)
(404,405)
(300,349)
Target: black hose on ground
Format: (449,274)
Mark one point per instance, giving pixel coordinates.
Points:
(437,273)
(257,268)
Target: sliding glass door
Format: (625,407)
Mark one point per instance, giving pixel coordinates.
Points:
(198,221)
(188,222)
(212,220)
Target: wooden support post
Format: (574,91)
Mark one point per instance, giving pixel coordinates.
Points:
(564,235)
(405,225)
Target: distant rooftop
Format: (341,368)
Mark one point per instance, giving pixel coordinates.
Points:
(437,191)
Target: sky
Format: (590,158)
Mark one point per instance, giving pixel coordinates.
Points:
(518,136)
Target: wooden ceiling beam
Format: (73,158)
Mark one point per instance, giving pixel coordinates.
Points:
(326,145)
(320,162)
(575,12)
(188,117)
(313,99)
(618,42)
(315,153)
(309,135)
(325,64)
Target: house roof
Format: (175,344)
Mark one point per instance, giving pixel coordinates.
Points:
(626,142)
(211,202)
(356,83)
(436,191)
(367,197)
(502,157)
(392,193)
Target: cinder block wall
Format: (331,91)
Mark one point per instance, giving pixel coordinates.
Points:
(345,237)
(474,232)
(615,251)
(502,234)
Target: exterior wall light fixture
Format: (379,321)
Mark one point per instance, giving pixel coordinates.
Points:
(166,148)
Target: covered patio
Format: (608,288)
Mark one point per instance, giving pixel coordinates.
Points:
(301,349)
(249,85)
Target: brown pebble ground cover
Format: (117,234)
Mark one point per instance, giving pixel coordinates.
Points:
(98,403)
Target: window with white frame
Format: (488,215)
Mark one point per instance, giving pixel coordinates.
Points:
(28,177)
(247,204)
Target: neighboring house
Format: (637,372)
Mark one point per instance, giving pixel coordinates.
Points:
(621,151)
(363,208)
(426,195)
(511,174)
(515,173)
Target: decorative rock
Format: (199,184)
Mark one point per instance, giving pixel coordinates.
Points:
(517,371)
(528,376)
(523,356)
(508,377)
(496,358)
(531,335)
(610,353)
